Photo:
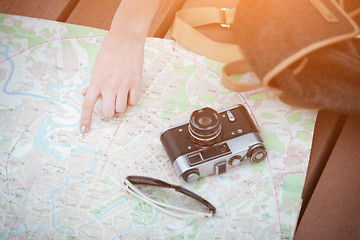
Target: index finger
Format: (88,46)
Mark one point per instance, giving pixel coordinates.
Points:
(87,109)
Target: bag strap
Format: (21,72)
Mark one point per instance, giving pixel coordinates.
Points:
(236,67)
(184,32)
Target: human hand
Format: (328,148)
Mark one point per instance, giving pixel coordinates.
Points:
(116,77)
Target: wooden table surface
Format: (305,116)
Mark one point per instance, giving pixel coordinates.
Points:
(92,13)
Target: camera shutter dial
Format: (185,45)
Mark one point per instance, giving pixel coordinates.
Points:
(191,175)
(235,160)
(257,153)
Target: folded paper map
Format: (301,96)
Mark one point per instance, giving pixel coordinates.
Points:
(56,183)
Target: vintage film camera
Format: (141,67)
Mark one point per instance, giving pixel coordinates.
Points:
(212,142)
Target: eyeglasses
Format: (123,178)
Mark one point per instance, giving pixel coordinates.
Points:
(175,211)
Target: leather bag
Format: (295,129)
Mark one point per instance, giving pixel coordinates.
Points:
(307,51)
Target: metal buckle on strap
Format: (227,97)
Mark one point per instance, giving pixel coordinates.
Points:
(225,25)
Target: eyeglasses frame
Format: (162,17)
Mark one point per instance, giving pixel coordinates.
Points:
(184,213)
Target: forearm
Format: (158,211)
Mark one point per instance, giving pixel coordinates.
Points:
(117,71)
(133,18)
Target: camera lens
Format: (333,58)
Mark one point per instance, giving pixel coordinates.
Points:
(205,127)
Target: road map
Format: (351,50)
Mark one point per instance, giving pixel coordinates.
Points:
(56,183)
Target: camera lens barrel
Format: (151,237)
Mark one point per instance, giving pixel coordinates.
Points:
(205,127)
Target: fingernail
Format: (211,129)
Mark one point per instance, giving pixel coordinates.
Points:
(84,91)
(84,129)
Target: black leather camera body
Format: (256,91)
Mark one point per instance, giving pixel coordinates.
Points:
(212,142)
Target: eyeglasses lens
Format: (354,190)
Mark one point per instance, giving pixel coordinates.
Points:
(171,197)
